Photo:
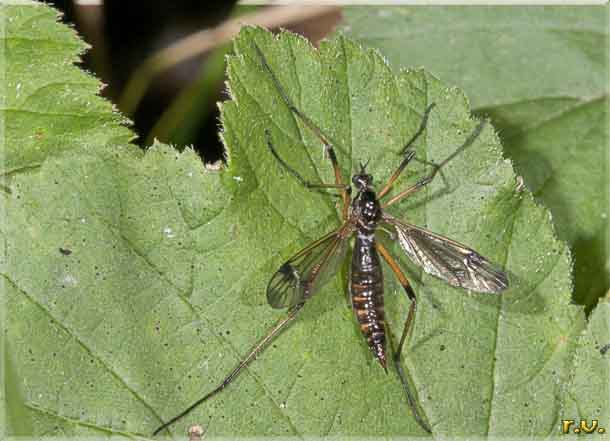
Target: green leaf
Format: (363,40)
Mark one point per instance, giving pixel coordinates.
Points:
(541,74)
(591,372)
(134,283)
(49,107)
(369,113)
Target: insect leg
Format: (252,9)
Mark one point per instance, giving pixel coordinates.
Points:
(416,187)
(409,154)
(411,400)
(408,325)
(408,290)
(245,362)
(436,167)
(315,129)
(296,174)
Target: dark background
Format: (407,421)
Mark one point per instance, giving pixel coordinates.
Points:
(123,34)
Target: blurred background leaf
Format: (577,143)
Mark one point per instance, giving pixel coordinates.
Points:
(541,75)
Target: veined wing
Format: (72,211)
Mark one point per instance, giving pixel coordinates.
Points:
(308,270)
(447,259)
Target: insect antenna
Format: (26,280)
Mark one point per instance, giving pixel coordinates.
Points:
(364,166)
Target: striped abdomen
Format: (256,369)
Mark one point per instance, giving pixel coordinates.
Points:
(366,290)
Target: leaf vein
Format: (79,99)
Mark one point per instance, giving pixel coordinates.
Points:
(82,344)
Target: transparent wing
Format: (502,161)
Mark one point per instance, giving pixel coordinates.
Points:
(449,260)
(307,271)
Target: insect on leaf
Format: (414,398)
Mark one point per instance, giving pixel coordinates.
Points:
(555,130)
(163,290)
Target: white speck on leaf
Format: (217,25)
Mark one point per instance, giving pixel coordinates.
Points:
(69,280)
(169,233)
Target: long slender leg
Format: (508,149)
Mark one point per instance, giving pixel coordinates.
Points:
(245,362)
(409,154)
(408,290)
(411,400)
(416,187)
(310,124)
(436,167)
(295,173)
(408,325)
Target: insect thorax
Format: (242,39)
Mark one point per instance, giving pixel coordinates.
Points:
(366,208)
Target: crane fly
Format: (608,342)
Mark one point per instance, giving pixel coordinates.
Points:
(299,278)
